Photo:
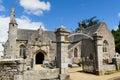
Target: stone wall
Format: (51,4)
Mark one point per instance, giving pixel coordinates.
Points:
(107,36)
(109,67)
(41,74)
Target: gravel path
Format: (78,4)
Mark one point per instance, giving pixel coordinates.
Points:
(75,74)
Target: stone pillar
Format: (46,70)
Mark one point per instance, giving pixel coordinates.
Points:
(62,52)
(98,55)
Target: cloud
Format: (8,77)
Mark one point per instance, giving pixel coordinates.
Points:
(119,14)
(2,8)
(23,22)
(3,28)
(0,1)
(35,7)
(26,23)
(115,27)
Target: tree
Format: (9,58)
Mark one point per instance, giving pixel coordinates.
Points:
(89,22)
(119,26)
(116,34)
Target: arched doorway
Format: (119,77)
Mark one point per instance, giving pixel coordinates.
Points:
(39,58)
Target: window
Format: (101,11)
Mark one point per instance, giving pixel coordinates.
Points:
(105,46)
(23,51)
(75,52)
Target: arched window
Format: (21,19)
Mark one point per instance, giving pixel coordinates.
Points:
(75,52)
(23,51)
(105,46)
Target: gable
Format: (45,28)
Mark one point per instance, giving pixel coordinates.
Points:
(108,37)
(104,31)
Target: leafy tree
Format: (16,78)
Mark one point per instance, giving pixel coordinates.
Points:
(119,26)
(116,34)
(89,22)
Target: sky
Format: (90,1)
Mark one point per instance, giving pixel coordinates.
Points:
(51,14)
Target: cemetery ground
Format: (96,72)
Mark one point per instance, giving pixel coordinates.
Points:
(77,74)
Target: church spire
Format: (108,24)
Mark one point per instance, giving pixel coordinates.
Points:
(12,16)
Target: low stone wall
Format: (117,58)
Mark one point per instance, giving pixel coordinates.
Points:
(41,74)
(109,67)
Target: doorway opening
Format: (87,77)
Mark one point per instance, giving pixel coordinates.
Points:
(39,58)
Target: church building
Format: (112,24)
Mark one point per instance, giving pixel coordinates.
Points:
(91,47)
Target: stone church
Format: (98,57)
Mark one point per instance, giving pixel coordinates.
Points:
(93,47)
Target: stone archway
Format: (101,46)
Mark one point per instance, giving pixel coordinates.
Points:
(39,58)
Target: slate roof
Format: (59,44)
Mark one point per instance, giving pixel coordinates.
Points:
(51,35)
(89,31)
(92,29)
(72,45)
(24,34)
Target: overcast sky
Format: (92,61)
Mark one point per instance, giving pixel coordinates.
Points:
(53,13)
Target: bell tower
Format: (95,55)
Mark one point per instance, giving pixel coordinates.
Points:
(12,35)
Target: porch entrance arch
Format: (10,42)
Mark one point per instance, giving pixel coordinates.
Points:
(39,58)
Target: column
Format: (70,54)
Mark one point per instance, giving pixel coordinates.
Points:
(98,55)
(62,52)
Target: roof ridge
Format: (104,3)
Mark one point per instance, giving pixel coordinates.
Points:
(101,23)
(92,26)
(27,29)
